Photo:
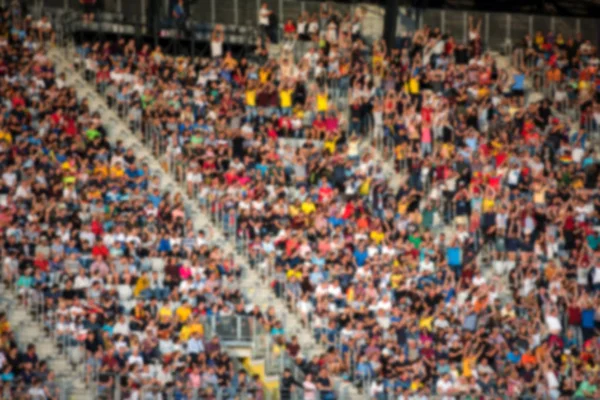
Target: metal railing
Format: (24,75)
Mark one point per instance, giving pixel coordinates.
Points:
(504,31)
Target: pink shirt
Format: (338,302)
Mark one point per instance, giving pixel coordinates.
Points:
(426,135)
(185,272)
(331,124)
(195,380)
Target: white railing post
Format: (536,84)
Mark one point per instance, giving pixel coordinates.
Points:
(465,28)
(281,16)
(487,30)
(508,22)
(443,21)
(213,12)
(236,12)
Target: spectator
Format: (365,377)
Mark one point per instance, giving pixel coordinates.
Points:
(89,10)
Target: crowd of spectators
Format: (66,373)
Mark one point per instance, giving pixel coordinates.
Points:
(90,243)
(473,271)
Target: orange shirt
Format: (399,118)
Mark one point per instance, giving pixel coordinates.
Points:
(553,75)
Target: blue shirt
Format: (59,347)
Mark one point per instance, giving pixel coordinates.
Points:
(513,358)
(195,346)
(587,318)
(453,256)
(154,199)
(360,257)
(519,82)
(164,245)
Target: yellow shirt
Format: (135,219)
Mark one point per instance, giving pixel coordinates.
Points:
(377,237)
(539,40)
(263,75)
(183,313)
(483,92)
(294,211)
(285,98)
(322,102)
(95,194)
(350,294)
(329,145)
(365,187)
(308,207)
(291,273)
(487,205)
(230,62)
(414,86)
(101,170)
(4,327)
(467,366)
(251,98)
(377,60)
(396,280)
(6,136)
(165,312)
(188,330)
(116,172)
(402,207)
(425,323)
(141,284)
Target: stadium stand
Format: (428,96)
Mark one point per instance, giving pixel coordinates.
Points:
(428,214)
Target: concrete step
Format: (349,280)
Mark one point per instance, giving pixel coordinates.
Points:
(28,330)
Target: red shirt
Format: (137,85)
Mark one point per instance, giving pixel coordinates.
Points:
(230,177)
(100,250)
(348,211)
(70,127)
(41,264)
(426,114)
(17,100)
(289,28)
(319,125)
(500,158)
(97,228)
(56,119)
(325,192)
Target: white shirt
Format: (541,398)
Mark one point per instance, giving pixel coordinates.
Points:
(596,274)
(121,328)
(263,17)
(443,387)
(553,323)
(81,282)
(133,359)
(335,291)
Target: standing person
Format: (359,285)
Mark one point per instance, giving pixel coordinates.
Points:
(179,16)
(264,20)
(310,388)
(17,11)
(89,8)
(216,42)
(288,385)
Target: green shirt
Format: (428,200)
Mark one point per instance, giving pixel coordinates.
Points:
(585,388)
(415,240)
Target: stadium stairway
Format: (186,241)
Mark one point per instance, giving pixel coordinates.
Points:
(28,329)
(253,286)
